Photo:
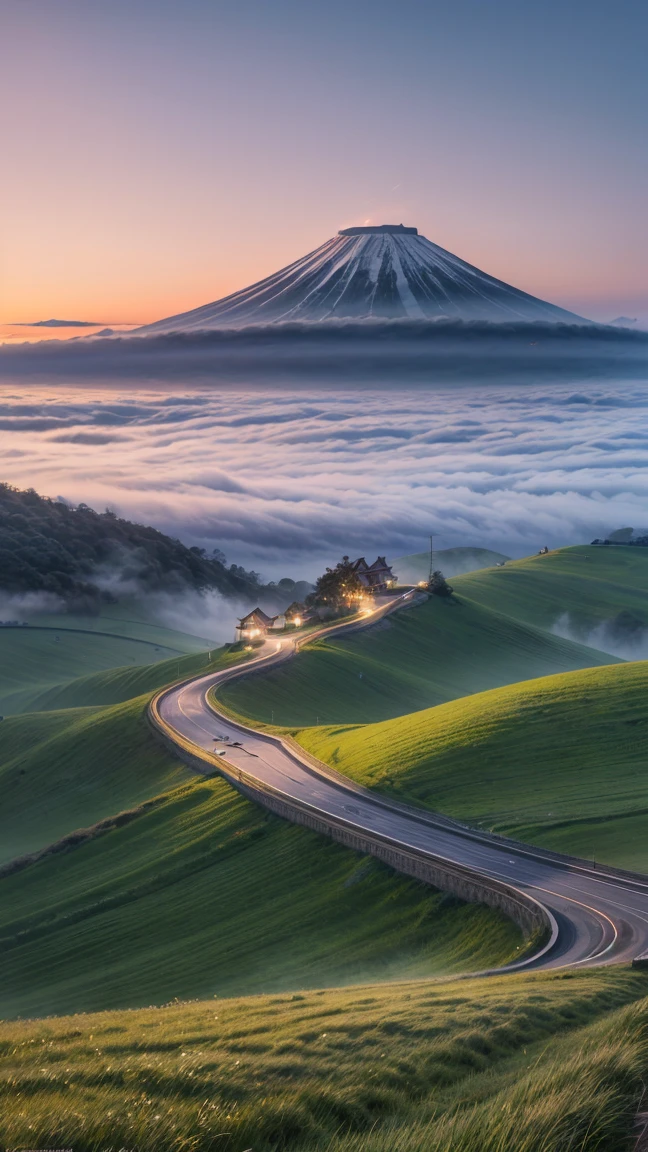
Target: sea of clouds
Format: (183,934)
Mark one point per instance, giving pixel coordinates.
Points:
(284,480)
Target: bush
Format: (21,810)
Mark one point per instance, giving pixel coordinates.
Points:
(439,586)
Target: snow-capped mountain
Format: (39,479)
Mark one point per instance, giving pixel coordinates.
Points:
(385,272)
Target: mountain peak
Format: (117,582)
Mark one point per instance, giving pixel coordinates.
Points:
(377,229)
(385,271)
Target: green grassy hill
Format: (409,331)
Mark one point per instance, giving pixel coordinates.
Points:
(128,618)
(203,893)
(420,656)
(451,561)
(535,1063)
(35,659)
(64,769)
(192,890)
(589,584)
(561,761)
(118,685)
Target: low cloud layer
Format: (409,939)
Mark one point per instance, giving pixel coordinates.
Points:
(58,324)
(368,350)
(623,635)
(284,480)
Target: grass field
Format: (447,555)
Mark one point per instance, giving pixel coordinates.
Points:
(589,585)
(33,660)
(201,892)
(561,761)
(117,685)
(194,889)
(129,619)
(63,769)
(535,1063)
(420,656)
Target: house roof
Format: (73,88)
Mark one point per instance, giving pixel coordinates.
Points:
(380,565)
(258,616)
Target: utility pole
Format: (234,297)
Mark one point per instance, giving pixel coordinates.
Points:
(431,559)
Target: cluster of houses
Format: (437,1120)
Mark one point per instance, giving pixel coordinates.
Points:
(375,579)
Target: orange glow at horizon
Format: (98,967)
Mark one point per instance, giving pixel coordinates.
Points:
(159,157)
(136,297)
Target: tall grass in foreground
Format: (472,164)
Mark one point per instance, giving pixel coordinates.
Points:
(534,1063)
(583,1100)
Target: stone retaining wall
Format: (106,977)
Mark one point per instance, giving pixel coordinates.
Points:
(527,913)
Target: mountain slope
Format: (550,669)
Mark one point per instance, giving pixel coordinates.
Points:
(382,272)
(418,657)
(76,554)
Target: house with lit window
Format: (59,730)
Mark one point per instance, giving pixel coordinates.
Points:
(375,578)
(257,624)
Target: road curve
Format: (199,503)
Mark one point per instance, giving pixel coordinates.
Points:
(598,916)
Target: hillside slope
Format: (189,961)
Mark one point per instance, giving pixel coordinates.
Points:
(60,771)
(49,547)
(424,655)
(36,659)
(509,1064)
(597,593)
(559,761)
(66,768)
(203,893)
(117,685)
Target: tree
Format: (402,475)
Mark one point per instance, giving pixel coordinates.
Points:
(439,586)
(338,587)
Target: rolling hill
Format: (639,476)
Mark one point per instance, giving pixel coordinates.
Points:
(60,771)
(201,893)
(593,590)
(147,882)
(177,887)
(34,660)
(559,761)
(451,561)
(117,685)
(425,655)
(534,1063)
(90,755)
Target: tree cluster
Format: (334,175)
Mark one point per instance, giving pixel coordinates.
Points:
(49,546)
(337,588)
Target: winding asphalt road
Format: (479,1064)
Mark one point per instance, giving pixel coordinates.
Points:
(601,917)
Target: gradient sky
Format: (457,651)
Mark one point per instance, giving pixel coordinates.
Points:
(158,155)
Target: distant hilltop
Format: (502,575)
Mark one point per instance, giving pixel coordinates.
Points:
(377,272)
